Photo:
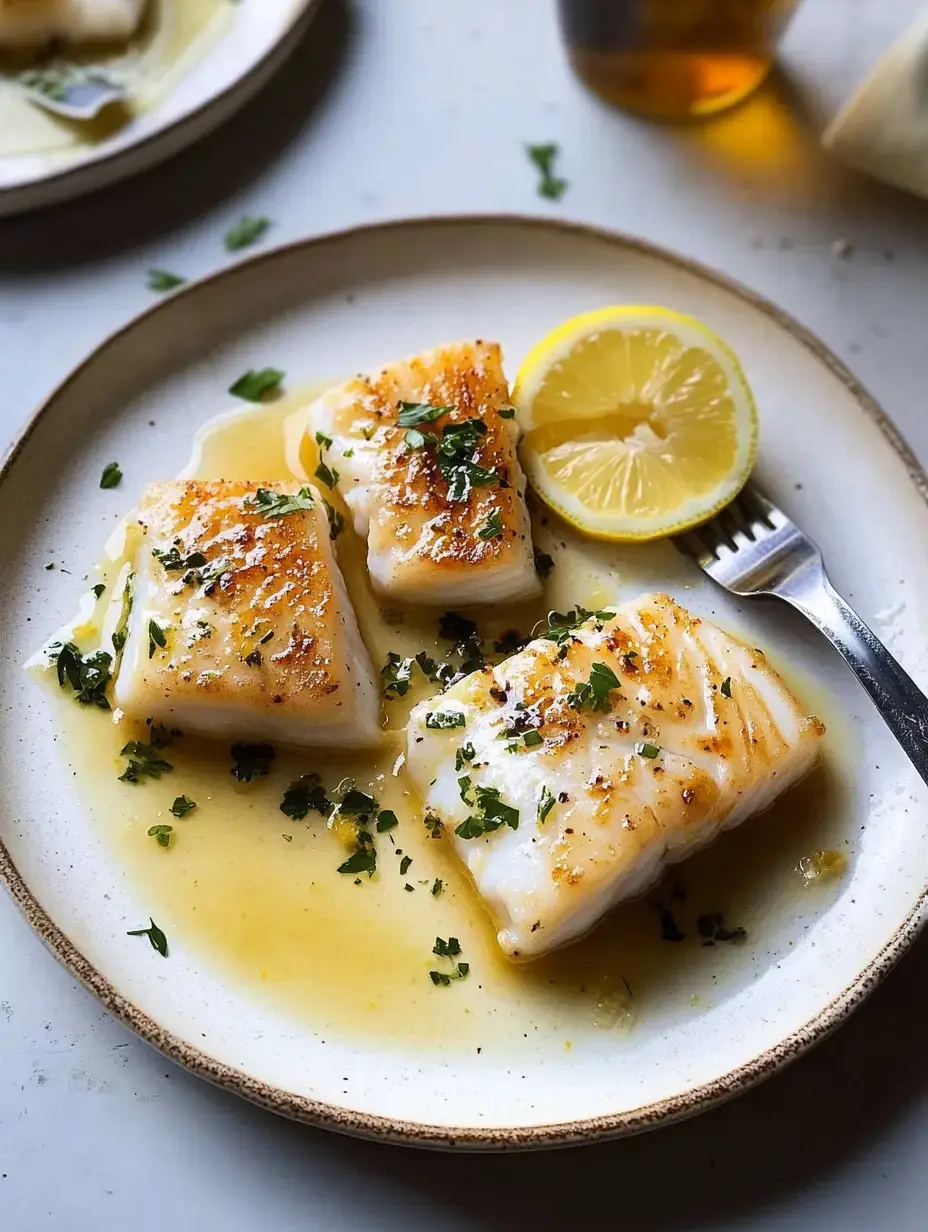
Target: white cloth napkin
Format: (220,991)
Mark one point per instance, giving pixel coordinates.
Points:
(883,128)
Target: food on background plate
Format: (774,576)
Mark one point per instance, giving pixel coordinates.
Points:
(424,454)
(240,623)
(614,744)
(638,422)
(34,23)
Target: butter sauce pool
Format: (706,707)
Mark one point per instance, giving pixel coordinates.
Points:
(258,895)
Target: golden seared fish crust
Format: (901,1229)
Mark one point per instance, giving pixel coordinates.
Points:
(260,638)
(625,745)
(423,546)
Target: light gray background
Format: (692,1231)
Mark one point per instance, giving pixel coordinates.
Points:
(396,107)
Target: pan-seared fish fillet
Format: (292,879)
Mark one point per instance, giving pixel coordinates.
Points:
(28,23)
(260,638)
(435,535)
(699,733)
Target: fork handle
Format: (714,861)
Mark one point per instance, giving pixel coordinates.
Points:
(902,704)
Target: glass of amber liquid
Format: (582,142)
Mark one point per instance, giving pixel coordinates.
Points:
(674,59)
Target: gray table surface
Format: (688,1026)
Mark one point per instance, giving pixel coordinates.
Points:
(395,107)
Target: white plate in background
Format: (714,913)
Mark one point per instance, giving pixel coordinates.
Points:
(232,67)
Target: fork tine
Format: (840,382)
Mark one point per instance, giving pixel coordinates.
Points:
(760,508)
(691,544)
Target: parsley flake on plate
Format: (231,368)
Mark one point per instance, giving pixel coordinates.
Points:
(543,157)
(154,934)
(87,677)
(246,232)
(254,386)
(161,280)
(112,476)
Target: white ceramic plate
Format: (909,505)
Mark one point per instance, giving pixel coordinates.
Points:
(232,68)
(339,304)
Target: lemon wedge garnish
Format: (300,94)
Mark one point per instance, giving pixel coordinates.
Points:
(638,422)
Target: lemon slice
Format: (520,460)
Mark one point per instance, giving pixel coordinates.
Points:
(638,422)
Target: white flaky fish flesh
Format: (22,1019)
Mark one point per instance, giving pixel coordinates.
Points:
(614,744)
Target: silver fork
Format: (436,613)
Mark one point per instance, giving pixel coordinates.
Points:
(752,548)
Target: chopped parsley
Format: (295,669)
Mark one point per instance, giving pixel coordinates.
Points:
(405,864)
(726,687)
(492,528)
(561,626)
(154,934)
(387,820)
(336,520)
(279,504)
(464,754)
(434,825)
(712,929)
(507,412)
(182,806)
(396,675)
(246,232)
(543,563)
(454,453)
(440,719)
(412,414)
(546,803)
(305,793)
(87,677)
(357,803)
(98,590)
(364,860)
(327,475)
(543,157)
(451,950)
(162,834)
(251,761)
(254,386)
(173,562)
(437,886)
(347,453)
(157,638)
(593,694)
(162,280)
(491,813)
(650,751)
(145,760)
(437,673)
(669,930)
(323,441)
(112,476)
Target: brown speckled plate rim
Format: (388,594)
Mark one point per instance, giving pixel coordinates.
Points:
(389,1129)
